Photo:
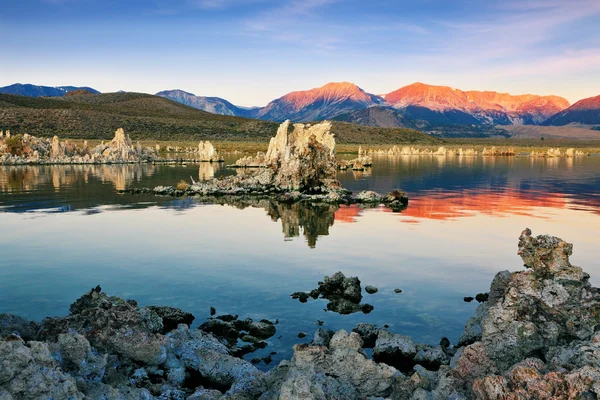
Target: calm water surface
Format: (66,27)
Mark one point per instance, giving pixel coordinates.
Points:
(64,229)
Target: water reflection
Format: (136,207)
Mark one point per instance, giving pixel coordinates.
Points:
(64,229)
(306,219)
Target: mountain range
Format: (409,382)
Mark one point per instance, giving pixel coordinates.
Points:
(42,91)
(420,106)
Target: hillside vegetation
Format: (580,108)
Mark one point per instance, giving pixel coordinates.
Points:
(148,117)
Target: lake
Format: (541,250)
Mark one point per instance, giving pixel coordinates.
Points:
(64,229)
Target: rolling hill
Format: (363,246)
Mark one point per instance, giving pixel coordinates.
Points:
(145,116)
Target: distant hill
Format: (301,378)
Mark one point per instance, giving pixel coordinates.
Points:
(145,116)
(586,111)
(215,105)
(42,91)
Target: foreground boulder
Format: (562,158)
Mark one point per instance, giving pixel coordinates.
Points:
(341,371)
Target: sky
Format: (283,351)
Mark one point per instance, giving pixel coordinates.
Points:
(253,51)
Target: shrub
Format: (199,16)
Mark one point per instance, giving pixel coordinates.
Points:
(182,185)
(14,145)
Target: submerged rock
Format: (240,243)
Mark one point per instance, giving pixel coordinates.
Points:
(344,294)
(371,289)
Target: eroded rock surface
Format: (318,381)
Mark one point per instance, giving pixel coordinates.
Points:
(536,337)
(27,149)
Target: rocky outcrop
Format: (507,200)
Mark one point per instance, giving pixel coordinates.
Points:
(344,294)
(535,337)
(339,371)
(207,152)
(299,165)
(28,149)
(299,156)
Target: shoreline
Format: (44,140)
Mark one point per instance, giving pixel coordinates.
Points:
(534,334)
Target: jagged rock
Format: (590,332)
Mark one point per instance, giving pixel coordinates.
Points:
(30,372)
(344,294)
(300,157)
(322,337)
(431,357)
(551,305)
(368,333)
(204,353)
(395,350)
(109,323)
(56,151)
(172,317)
(120,141)
(341,371)
(339,286)
(12,324)
(529,380)
(368,196)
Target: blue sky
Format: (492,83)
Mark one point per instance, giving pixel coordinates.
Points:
(252,51)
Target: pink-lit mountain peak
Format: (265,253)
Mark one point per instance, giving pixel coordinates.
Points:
(444,97)
(331,92)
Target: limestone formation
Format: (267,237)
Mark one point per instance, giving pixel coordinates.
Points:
(53,151)
(56,151)
(207,152)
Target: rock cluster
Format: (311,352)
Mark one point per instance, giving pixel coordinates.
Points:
(299,165)
(27,149)
(344,294)
(536,337)
(358,164)
(229,328)
(557,152)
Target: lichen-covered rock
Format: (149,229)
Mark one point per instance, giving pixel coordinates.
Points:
(528,380)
